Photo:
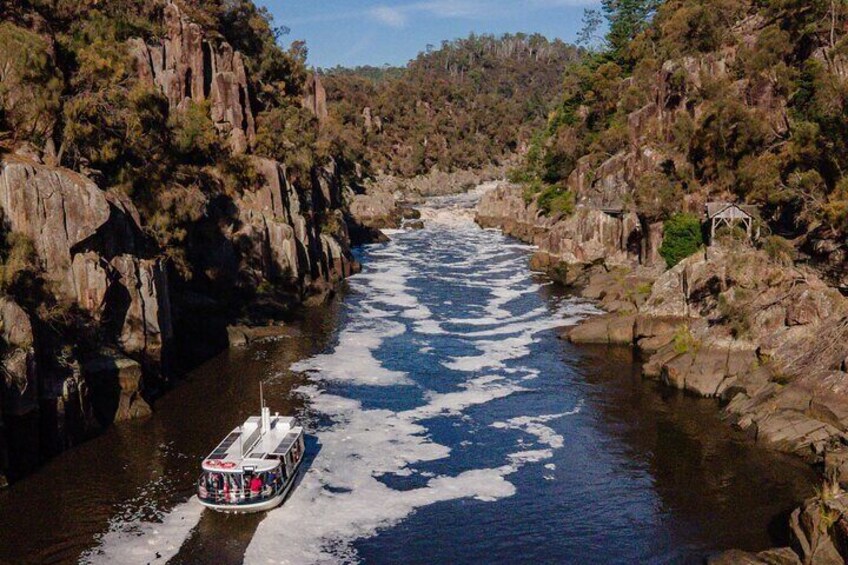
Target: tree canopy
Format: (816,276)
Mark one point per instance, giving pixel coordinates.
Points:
(467,104)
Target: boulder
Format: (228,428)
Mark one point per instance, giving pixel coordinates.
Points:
(652,333)
(812,527)
(592,330)
(115,383)
(779,556)
(795,432)
(239,336)
(19,370)
(609,329)
(377,210)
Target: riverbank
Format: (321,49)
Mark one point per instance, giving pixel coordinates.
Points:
(764,336)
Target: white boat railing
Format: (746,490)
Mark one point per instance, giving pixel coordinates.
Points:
(239,496)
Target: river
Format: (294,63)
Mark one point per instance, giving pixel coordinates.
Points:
(447,424)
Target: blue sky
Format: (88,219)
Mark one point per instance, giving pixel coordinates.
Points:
(374,32)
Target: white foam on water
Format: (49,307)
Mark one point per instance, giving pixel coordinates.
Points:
(140,541)
(535,426)
(342,498)
(531,456)
(353,359)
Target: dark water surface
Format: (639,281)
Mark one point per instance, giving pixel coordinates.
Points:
(447,424)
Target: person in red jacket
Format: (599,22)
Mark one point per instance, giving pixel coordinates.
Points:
(255,486)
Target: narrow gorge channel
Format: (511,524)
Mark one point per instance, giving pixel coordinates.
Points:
(447,423)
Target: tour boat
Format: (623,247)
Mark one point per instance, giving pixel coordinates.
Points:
(253,469)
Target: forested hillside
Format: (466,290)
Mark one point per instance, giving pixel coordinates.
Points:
(726,99)
(467,104)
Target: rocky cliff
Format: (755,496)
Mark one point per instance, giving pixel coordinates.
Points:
(650,134)
(750,326)
(186,66)
(98,315)
(571,244)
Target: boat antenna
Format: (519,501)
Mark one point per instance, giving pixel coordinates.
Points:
(264,413)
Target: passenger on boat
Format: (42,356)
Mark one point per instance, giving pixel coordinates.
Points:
(255,486)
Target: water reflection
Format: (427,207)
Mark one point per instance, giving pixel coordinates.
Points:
(711,480)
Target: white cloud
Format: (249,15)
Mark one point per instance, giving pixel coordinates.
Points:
(398,16)
(390,16)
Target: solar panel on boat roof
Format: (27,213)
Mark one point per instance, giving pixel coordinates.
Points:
(225,445)
(285,444)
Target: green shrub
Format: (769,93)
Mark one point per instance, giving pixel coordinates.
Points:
(17,256)
(734,315)
(555,200)
(240,174)
(684,341)
(682,238)
(194,133)
(780,250)
(532,188)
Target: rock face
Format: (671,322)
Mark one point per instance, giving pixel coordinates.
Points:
(284,243)
(19,382)
(89,248)
(377,211)
(769,339)
(186,66)
(568,245)
(315,99)
(820,529)
(19,386)
(120,304)
(56,209)
(79,234)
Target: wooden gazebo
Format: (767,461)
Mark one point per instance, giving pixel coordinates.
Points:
(729,214)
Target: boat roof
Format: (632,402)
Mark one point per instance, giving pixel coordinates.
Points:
(246,448)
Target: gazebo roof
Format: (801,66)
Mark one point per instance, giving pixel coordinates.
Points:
(719,209)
